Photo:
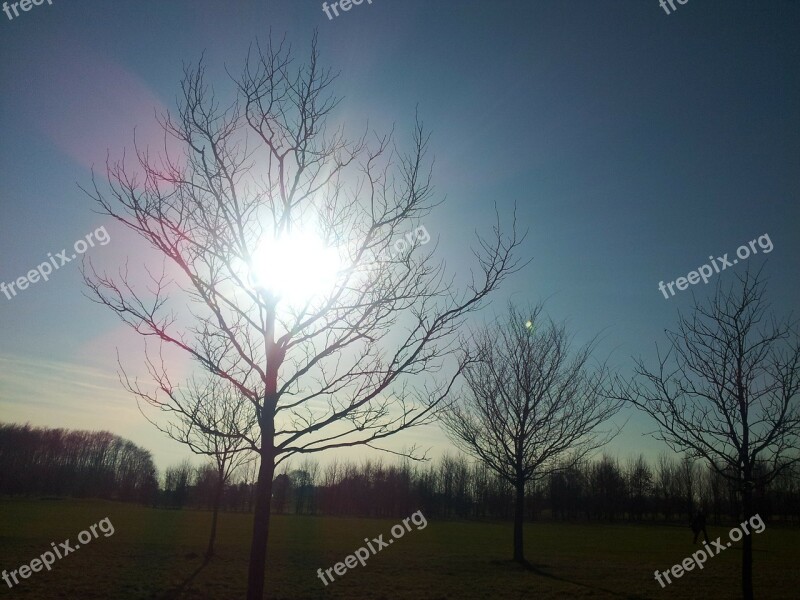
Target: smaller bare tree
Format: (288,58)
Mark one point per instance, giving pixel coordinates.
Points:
(528,403)
(213,419)
(727,391)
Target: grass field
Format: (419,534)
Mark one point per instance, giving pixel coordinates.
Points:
(155,553)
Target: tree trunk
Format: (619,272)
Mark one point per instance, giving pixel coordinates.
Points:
(747,549)
(519,514)
(215,513)
(258,546)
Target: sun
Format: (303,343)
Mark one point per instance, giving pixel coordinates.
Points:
(295,267)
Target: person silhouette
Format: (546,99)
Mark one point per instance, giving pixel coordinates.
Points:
(698,525)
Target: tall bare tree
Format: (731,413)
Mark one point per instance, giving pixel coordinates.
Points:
(528,403)
(350,366)
(726,390)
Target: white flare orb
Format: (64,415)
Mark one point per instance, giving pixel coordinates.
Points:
(295,267)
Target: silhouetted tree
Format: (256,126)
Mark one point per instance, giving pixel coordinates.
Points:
(213,419)
(281,488)
(639,485)
(727,391)
(607,488)
(337,369)
(528,403)
(177,480)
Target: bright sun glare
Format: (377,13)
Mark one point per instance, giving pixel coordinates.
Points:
(295,266)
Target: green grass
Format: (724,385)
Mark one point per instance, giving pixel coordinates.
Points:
(154,552)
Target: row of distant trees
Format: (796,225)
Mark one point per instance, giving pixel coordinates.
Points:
(667,489)
(99,464)
(36,460)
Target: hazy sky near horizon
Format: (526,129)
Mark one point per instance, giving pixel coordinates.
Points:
(634,143)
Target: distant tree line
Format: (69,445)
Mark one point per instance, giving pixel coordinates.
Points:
(98,464)
(670,489)
(185,486)
(43,461)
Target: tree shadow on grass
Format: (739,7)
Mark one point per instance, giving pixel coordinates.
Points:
(542,570)
(177,592)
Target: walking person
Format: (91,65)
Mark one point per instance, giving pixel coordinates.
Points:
(698,525)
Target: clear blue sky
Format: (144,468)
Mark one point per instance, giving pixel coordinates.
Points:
(635,144)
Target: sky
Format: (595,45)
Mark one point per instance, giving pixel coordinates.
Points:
(634,144)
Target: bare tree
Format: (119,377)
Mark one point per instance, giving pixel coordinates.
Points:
(177,480)
(607,488)
(213,419)
(528,403)
(687,476)
(639,478)
(349,366)
(304,479)
(726,391)
(667,488)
